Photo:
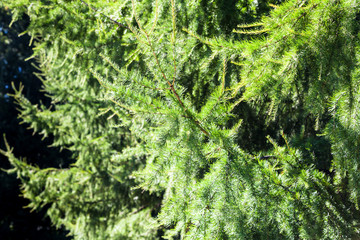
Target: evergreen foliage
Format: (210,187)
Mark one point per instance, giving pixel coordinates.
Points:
(195,119)
(17,222)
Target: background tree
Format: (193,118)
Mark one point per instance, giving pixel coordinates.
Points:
(216,133)
(17,222)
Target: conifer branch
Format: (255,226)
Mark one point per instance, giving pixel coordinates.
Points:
(112,20)
(173,37)
(222,89)
(157,138)
(203,40)
(155,18)
(197,123)
(123,106)
(273,5)
(116,68)
(253,32)
(256,24)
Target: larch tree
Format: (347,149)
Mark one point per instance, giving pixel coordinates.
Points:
(196,120)
(15,221)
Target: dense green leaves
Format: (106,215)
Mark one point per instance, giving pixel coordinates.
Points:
(167,112)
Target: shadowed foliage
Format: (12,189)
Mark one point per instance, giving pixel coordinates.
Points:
(195,119)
